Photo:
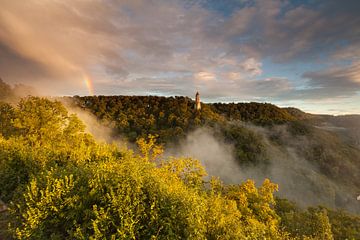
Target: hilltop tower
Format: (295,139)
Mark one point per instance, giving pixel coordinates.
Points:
(197,101)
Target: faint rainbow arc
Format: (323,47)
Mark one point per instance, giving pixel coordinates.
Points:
(89,84)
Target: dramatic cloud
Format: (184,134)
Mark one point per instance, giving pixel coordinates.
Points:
(334,84)
(228,50)
(336,81)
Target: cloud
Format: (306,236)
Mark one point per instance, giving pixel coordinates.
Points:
(173,47)
(105,40)
(344,78)
(286,32)
(252,67)
(336,82)
(234,75)
(205,76)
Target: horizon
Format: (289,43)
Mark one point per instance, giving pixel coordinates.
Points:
(290,53)
(208,102)
(30,91)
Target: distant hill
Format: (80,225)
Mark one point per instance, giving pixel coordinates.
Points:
(298,114)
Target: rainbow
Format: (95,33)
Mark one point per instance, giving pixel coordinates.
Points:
(89,84)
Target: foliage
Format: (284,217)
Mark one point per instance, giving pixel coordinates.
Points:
(149,149)
(133,199)
(286,131)
(298,128)
(258,113)
(249,146)
(7,114)
(317,223)
(256,207)
(171,118)
(344,225)
(139,116)
(61,184)
(38,133)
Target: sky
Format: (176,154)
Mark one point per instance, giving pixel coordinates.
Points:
(304,54)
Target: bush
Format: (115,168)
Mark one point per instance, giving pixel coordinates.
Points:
(132,197)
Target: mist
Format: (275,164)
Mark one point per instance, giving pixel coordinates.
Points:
(215,155)
(13,93)
(299,180)
(100,131)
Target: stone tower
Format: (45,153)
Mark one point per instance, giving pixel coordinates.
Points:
(197,101)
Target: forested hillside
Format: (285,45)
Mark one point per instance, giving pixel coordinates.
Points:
(171,117)
(327,174)
(275,142)
(58,182)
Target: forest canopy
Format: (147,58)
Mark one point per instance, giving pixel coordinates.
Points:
(59,183)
